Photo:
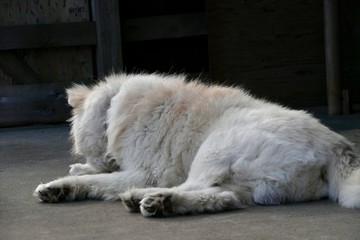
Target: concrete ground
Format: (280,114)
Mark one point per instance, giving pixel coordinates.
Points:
(30,155)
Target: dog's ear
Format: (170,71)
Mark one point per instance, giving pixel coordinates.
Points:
(77,95)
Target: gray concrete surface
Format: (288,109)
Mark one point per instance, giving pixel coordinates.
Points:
(30,155)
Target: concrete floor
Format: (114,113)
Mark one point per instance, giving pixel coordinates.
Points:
(29,155)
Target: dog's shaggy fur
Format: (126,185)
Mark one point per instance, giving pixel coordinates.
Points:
(164,146)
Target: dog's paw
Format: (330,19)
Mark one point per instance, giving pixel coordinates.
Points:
(51,194)
(131,201)
(78,169)
(156,205)
(112,165)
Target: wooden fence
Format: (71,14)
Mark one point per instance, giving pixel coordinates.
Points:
(41,54)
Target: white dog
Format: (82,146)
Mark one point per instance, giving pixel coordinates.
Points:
(164,146)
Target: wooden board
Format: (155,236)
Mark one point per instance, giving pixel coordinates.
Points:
(35,103)
(20,12)
(70,64)
(18,69)
(47,35)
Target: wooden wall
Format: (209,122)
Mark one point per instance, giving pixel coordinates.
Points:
(51,64)
(35,69)
(274,48)
(164,36)
(350,47)
(45,46)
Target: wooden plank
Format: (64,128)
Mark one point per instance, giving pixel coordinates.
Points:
(163,27)
(18,69)
(47,35)
(66,64)
(20,12)
(108,49)
(35,103)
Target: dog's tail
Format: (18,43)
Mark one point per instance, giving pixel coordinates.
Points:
(344,177)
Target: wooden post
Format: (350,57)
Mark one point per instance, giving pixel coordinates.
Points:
(332,57)
(108,55)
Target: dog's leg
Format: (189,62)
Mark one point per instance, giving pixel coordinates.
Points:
(99,186)
(94,166)
(208,188)
(344,178)
(172,201)
(132,197)
(78,169)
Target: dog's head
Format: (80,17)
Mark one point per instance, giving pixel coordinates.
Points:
(77,95)
(88,118)
(89,115)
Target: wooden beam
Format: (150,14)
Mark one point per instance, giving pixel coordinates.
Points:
(18,69)
(163,27)
(332,56)
(108,49)
(47,35)
(35,103)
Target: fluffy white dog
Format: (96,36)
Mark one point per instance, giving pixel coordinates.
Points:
(164,146)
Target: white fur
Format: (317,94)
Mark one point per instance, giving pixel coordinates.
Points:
(173,147)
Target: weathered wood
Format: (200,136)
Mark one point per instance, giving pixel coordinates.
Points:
(332,56)
(35,103)
(108,49)
(163,27)
(18,69)
(20,12)
(67,64)
(47,35)
(58,64)
(46,26)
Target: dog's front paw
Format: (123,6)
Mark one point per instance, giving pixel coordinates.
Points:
(112,165)
(78,169)
(156,205)
(131,201)
(51,194)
